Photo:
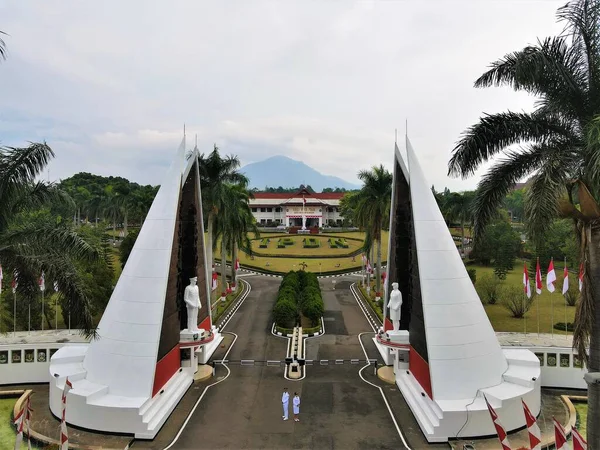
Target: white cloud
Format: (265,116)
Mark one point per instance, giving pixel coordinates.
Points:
(109,84)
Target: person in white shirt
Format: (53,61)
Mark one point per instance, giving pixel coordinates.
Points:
(285,400)
(296,405)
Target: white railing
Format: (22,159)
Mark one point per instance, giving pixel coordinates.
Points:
(27,363)
(560,367)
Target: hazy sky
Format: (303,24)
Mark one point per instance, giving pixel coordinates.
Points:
(109,84)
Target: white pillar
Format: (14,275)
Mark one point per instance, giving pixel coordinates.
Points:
(320,222)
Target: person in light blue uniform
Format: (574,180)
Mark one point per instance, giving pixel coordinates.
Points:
(296,406)
(285,400)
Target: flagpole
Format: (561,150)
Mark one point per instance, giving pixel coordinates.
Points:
(525,313)
(551,305)
(29,320)
(42,310)
(565,298)
(56,312)
(15,312)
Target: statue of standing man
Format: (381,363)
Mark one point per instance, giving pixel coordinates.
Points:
(191,297)
(394,306)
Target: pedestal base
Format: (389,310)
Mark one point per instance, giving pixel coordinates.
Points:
(186,335)
(205,351)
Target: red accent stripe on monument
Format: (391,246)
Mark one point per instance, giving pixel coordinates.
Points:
(166,368)
(387,325)
(420,370)
(205,324)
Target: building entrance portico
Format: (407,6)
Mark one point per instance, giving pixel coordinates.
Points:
(310,221)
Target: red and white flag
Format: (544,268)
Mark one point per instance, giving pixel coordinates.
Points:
(64,434)
(42,282)
(14,283)
(1,276)
(369,268)
(303,200)
(565,279)
(215,281)
(580,277)
(579,443)
(550,277)
(535,435)
(526,283)
(502,436)
(19,420)
(28,412)
(560,436)
(237,264)
(538,277)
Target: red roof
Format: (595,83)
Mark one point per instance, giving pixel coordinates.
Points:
(286,195)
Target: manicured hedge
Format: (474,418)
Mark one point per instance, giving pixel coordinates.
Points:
(299,293)
(264,243)
(310,243)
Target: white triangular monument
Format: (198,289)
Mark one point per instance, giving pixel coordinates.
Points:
(451,355)
(132,376)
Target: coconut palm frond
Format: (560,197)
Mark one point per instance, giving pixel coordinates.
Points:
(496,132)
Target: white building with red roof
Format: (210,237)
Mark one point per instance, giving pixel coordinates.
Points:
(288,209)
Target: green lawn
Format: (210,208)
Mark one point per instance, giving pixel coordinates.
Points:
(7,431)
(581,409)
(546,302)
(297,248)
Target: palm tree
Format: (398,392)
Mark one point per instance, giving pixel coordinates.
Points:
(559,145)
(215,174)
(30,242)
(459,206)
(242,223)
(2,47)
(373,208)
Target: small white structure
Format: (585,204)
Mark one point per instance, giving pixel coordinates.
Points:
(131,378)
(454,357)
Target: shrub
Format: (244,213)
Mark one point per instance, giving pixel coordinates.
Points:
(572,294)
(488,288)
(561,326)
(285,313)
(313,309)
(515,301)
(472,275)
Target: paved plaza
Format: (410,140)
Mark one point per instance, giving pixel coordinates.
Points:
(339,410)
(243,411)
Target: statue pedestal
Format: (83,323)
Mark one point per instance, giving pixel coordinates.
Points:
(393,346)
(186,336)
(398,337)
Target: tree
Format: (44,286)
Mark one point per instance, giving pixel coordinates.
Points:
(558,144)
(373,208)
(233,224)
(348,206)
(32,240)
(2,47)
(515,204)
(459,207)
(215,173)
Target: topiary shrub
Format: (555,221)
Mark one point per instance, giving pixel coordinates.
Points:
(285,313)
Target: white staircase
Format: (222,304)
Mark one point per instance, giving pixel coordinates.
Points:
(444,419)
(141,416)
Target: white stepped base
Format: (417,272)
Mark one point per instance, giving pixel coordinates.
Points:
(445,419)
(205,351)
(91,406)
(386,353)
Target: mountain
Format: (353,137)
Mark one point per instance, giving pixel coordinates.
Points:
(286,172)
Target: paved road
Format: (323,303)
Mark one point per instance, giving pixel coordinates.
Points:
(338,409)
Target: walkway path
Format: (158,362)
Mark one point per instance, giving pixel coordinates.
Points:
(338,410)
